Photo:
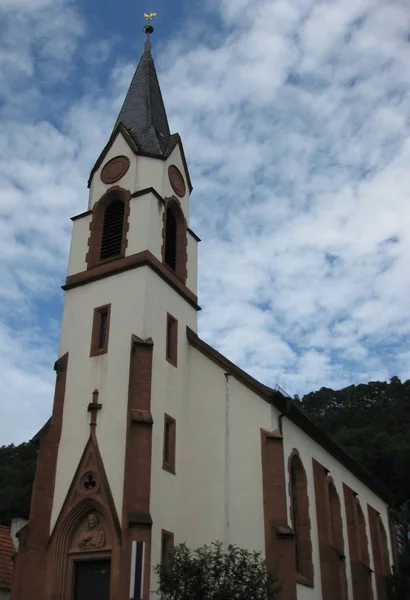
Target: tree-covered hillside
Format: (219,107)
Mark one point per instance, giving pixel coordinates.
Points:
(372,422)
(17,469)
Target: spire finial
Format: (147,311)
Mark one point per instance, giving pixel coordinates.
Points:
(149,29)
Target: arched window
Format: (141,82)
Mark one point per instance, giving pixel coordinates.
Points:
(174,248)
(300,519)
(363,547)
(384,551)
(336,527)
(111,241)
(108,227)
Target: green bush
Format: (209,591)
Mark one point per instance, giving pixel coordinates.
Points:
(210,573)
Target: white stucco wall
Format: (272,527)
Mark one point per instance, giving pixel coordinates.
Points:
(199,515)
(139,300)
(79,245)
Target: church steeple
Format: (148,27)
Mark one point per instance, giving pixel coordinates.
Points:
(143,112)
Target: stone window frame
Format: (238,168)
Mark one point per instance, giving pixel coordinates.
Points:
(95,349)
(171,341)
(363,540)
(180,270)
(167,544)
(169,445)
(97,223)
(336,538)
(305,573)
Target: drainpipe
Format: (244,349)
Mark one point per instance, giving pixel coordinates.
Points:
(227,464)
(283,414)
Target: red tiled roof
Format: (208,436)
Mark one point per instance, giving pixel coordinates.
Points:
(6,553)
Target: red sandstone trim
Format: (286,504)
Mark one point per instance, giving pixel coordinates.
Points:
(279,538)
(95,349)
(97,224)
(31,562)
(331,551)
(174,204)
(380,552)
(137,521)
(169,444)
(306,572)
(80,501)
(141,259)
(119,129)
(171,352)
(167,544)
(361,572)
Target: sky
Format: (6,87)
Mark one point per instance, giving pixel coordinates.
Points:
(295,119)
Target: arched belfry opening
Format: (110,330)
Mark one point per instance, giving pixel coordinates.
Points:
(111,241)
(109,224)
(175,241)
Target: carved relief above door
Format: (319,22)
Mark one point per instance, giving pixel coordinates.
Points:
(85,544)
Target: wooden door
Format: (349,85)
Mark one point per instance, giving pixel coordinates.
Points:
(92,580)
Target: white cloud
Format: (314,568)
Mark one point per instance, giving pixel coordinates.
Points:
(295,125)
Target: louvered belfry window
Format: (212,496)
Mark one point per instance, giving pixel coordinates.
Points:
(171,240)
(111,242)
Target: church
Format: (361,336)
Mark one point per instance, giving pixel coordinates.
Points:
(156,438)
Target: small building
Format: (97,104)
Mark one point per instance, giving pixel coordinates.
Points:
(155,437)
(7,553)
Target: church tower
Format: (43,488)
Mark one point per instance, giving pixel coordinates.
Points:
(106,496)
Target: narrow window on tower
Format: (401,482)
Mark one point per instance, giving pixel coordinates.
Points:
(174,249)
(112,233)
(172,340)
(171,239)
(167,543)
(100,331)
(169,444)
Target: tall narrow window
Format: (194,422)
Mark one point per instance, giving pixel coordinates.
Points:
(100,331)
(174,249)
(336,527)
(300,519)
(169,444)
(111,241)
(172,340)
(363,547)
(167,543)
(171,239)
(295,517)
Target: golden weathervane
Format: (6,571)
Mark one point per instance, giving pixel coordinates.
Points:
(149,28)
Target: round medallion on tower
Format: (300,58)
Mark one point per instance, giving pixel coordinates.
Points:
(177,181)
(115,169)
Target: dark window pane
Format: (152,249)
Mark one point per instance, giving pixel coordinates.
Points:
(171,240)
(111,242)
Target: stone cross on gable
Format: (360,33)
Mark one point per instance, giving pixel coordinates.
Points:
(94,407)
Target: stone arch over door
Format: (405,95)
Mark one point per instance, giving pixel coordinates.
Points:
(87,533)
(87,528)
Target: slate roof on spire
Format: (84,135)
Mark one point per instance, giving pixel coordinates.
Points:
(143,113)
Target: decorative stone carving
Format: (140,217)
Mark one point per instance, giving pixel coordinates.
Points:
(115,169)
(177,181)
(93,537)
(88,484)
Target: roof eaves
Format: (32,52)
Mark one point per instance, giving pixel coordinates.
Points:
(294,414)
(120,128)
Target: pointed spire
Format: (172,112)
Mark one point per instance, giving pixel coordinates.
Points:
(143,112)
